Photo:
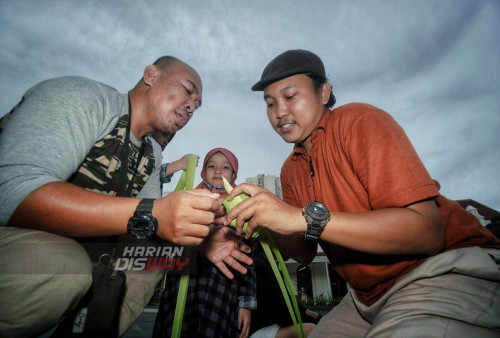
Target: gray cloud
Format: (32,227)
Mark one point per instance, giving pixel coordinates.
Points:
(433,65)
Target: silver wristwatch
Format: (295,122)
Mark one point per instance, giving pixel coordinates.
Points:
(316,215)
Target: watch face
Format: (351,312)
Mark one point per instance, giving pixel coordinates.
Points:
(142,227)
(318,210)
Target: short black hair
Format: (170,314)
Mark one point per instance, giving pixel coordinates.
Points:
(318,82)
(166,62)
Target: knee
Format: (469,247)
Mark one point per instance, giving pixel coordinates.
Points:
(43,276)
(34,303)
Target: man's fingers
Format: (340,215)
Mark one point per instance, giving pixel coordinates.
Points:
(203,192)
(192,235)
(244,188)
(220,220)
(203,199)
(197,230)
(252,225)
(188,240)
(243,212)
(237,211)
(206,200)
(198,217)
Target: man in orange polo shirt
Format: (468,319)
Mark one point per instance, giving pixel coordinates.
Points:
(417,264)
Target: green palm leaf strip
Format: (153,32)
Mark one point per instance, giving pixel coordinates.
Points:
(185,182)
(272,253)
(229,205)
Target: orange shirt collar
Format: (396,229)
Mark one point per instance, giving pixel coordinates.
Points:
(298,149)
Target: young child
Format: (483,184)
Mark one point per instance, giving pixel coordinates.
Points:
(215,305)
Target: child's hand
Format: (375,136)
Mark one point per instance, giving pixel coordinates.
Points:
(244,317)
(225,249)
(183,161)
(180,164)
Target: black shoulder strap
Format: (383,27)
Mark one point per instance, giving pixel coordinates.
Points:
(122,187)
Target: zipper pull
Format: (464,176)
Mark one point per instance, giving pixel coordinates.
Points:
(311,167)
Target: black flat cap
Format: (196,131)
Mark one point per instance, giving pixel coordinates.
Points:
(291,62)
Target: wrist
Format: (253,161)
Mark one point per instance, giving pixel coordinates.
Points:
(301,222)
(174,166)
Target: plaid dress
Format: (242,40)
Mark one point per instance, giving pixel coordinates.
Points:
(212,302)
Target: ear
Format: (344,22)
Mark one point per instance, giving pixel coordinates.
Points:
(325,93)
(150,75)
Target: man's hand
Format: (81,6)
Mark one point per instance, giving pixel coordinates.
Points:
(224,248)
(183,216)
(264,209)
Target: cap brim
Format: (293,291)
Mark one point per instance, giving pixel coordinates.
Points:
(258,86)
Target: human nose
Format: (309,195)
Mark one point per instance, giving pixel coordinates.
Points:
(190,107)
(281,110)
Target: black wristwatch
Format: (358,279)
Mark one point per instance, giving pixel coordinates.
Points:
(317,215)
(143,225)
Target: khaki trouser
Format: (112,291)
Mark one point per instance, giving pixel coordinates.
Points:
(43,275)
(453,294)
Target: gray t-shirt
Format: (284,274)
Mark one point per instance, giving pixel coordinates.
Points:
(51,133)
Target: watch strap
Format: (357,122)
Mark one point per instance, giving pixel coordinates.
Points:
(314,229)
(145,206)
(142,225)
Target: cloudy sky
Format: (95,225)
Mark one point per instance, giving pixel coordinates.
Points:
(432,64)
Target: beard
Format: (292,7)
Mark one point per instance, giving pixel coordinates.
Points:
(162,138)
(163,122)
